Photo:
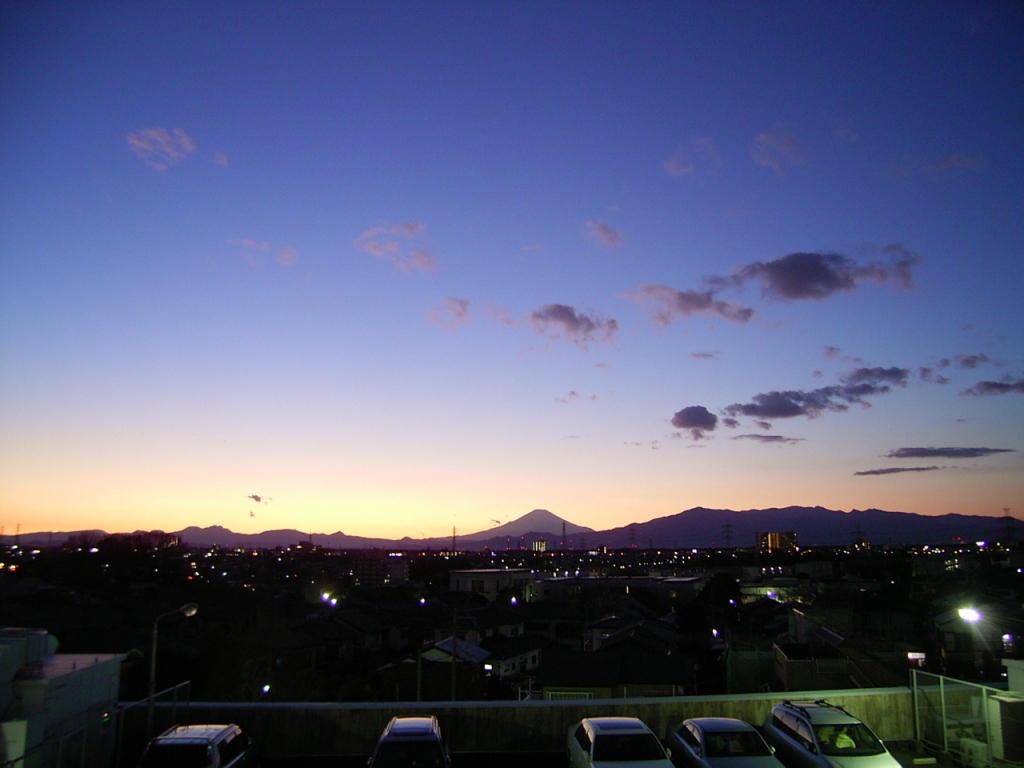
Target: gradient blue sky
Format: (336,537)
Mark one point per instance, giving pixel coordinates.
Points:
(397,266)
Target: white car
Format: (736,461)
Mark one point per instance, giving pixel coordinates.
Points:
(616,742)
(816,734)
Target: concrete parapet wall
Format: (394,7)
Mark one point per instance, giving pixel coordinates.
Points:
(533,726)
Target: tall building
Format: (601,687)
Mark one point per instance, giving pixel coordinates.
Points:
(776,541)
(378,568)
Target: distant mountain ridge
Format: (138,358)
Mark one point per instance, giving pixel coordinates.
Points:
(537,521)
(698,527)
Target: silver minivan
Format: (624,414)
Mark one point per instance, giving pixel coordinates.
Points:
(821,735)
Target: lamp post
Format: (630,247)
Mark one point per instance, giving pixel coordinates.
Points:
(188,610)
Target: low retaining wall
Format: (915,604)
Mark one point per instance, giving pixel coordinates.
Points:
(500,726)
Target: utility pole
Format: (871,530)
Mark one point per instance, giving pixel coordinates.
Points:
(419,671)
(455,648)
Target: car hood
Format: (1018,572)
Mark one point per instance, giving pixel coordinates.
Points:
(884,760)
(666,763)
(767,761)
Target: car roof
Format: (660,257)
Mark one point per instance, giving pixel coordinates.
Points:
(616,724)
(195,734)
(820,712)
(720,724)
(412,727)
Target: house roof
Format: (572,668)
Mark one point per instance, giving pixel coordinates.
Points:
(463,651)
(502,648)
(581,669)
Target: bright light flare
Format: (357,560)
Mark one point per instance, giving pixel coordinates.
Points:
(970,614)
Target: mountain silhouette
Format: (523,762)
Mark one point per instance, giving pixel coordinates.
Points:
(698,527)
(537,521)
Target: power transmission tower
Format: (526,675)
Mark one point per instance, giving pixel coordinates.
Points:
(1008,526)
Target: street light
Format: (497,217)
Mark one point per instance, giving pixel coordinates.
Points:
(188,610)
(973,615)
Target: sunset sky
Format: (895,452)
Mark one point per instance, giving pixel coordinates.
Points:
(388,268)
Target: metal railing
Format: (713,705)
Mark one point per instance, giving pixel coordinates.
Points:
(978,725)
(178,696)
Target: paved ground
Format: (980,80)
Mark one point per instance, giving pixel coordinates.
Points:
(908,754)
(459,760)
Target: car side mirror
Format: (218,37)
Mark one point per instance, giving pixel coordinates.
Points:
(668,753)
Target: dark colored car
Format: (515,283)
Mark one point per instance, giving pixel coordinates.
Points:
(197,746)
(719,742)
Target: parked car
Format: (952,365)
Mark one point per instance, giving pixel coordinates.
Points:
(411,742)
(197,746)
(822,735)
(719,742)
(622,742)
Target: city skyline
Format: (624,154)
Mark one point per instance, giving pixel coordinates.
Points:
(391,268)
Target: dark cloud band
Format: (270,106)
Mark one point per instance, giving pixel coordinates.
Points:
(945,453)
(894,470)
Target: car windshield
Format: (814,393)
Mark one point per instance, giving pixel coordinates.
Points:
(619,747)
(736,744)
(175,756)
(848,740)
(409,754)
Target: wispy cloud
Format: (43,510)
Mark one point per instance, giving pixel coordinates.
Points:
(945,453)
(698,160)
(705,355)
(380,241)
(968,362)
(451,314)
(420,260)
(853,388)
(600,232)
(793,277)
(560,320)
(574,396)
(160,148)
(221,159)
(501,315)
(776,150)
(816,276)
(952,164)
(250,245)
(664,304)
(697,419)
(285,257)
(1004,387)
(927,374)
(770,439)
(894,470)
(843,130)
(835,353)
